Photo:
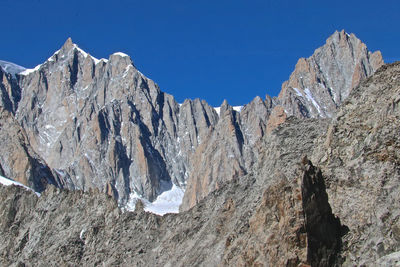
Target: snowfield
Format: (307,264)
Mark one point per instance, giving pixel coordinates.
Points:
(167,202)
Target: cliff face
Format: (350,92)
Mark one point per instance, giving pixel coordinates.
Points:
(10,92)
(18,159)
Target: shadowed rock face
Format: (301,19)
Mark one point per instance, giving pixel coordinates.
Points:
(10,92)
(323,228)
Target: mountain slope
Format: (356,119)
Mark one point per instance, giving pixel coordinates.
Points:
(11,68)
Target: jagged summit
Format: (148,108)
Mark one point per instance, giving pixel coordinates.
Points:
(70,49)
(320,83)
(68,45)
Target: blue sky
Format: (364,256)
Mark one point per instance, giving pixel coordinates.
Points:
(213,50)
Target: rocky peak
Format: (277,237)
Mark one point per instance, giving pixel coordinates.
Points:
(120,64)
(320,83)
(68,45)
(103,124)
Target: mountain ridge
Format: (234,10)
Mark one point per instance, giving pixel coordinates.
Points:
(103,124)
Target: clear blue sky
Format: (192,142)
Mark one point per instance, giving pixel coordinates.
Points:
(213,50)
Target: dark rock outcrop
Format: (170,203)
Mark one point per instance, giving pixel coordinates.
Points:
(323,229)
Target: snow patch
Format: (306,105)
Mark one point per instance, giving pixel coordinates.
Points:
(127,70)
(96,61)
(218,110)
(237,108)
(167,202)
(333,94)
(310,98)
(81,234)
(29,71)
(121,54)
(298,92)
(103,60)
(8,182)
(52,57)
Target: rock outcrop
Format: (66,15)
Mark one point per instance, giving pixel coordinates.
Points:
(360,157)
(10,92)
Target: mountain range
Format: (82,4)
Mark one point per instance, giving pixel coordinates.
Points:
(89,123)
(307,177)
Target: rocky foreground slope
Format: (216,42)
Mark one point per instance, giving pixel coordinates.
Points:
(342,209)
(87,123)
